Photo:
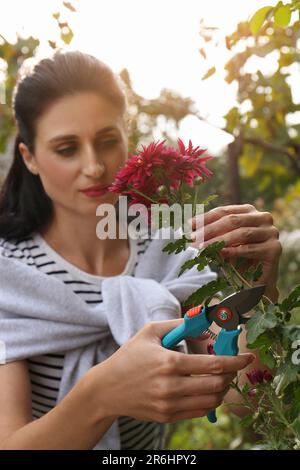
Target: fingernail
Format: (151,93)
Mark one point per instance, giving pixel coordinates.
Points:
(193,236)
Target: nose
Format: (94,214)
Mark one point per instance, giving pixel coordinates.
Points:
(92,166)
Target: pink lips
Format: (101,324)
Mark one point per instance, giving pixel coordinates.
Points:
(95,191)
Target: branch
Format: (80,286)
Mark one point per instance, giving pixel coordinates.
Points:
(275,148)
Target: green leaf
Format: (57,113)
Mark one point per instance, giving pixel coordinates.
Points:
(177,246)
(291,398)
(263,341)
(208,290)
(206,256)
(259,323)
(282,16)
(209,73)
(296,427)
(213,249)
(286,374)
(67,36)
(292,301)
(210,198)
(258,272)
(247,421)
(267,358)
(258,18)
(199,261)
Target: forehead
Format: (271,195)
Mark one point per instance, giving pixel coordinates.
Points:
(82,114)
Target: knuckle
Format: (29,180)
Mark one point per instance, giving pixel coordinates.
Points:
(249,208)
(217,367)
(164,389)
(278,248)
(149,327)
(224,210)
(169,364)
(248,234)
(275,232)
(219,385)
(216,400)
(268,218)
(234,220)
(163,408)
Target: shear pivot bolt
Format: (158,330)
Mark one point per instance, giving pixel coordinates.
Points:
(224,314)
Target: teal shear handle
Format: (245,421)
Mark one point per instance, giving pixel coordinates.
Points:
(226,345)
(195,323)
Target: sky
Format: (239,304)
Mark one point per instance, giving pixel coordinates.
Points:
(156,40)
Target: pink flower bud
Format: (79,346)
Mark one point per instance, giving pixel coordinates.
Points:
(267,376)
(255,376)
(210,349)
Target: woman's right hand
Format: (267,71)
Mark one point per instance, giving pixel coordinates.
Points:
(144,380)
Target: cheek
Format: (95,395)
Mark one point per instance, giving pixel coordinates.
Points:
(56,175)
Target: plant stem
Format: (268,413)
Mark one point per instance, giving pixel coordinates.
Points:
(144,195)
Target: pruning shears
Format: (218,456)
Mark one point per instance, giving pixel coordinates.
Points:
(229,314)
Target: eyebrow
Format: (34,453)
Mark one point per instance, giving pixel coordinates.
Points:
(105,130)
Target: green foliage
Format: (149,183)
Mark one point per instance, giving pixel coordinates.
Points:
(263,122)
(259,323)
(14,55)
(281,14)
(258,18)
(176,247)
(207,291)
(199,434)
(206,256)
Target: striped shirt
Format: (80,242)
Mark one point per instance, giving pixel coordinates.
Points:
(46,370)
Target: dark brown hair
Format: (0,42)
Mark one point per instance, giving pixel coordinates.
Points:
(24,204)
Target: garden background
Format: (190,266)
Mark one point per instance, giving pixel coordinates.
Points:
(194,70)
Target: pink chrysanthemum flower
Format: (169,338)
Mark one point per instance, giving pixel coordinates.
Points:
(160,166)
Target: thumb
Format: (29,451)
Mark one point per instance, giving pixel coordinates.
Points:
(161,328)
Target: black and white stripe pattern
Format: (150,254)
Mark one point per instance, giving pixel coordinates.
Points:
(46,370)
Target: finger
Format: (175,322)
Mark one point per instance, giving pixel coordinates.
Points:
(243,235)
(221,211)
(202,385)
(267,251)
(188,364)
(209,401)
(235,221)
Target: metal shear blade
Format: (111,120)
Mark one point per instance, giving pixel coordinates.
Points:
(229,313)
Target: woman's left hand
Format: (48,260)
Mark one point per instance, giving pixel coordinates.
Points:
(247,233)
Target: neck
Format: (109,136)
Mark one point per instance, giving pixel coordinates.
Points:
(77,241)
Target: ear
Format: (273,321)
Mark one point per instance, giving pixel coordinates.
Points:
(28,158)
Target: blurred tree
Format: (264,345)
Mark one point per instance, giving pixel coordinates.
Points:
(146,116)
(280,13)
(266,149)
(12,56)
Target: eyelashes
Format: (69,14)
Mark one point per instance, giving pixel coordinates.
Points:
(72,149)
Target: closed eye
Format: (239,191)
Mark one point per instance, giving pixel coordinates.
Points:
(67,151)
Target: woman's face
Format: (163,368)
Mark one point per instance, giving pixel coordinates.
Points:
(80,142)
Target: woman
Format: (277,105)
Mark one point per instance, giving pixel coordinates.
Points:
(71,118)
